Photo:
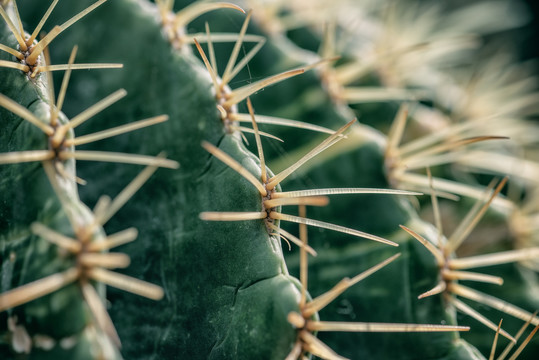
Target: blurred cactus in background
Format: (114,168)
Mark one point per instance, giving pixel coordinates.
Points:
(322,179)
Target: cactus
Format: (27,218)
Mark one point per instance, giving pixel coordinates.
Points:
(209,246)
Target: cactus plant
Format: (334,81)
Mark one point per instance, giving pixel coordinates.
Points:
(209,232)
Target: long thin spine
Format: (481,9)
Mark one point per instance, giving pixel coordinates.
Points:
(116,157)
(258,142)
(277,179)
(235,50)
(36,289)
(130,190)
(11,51)
(471,312)
(24,113)
(13,29)
(510,346)
(127,283)
(495,342)
(99,312)
(39,26)
(491,301)
(320,302)
(324,225)
(234,165)
(122,129)
(304,271)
